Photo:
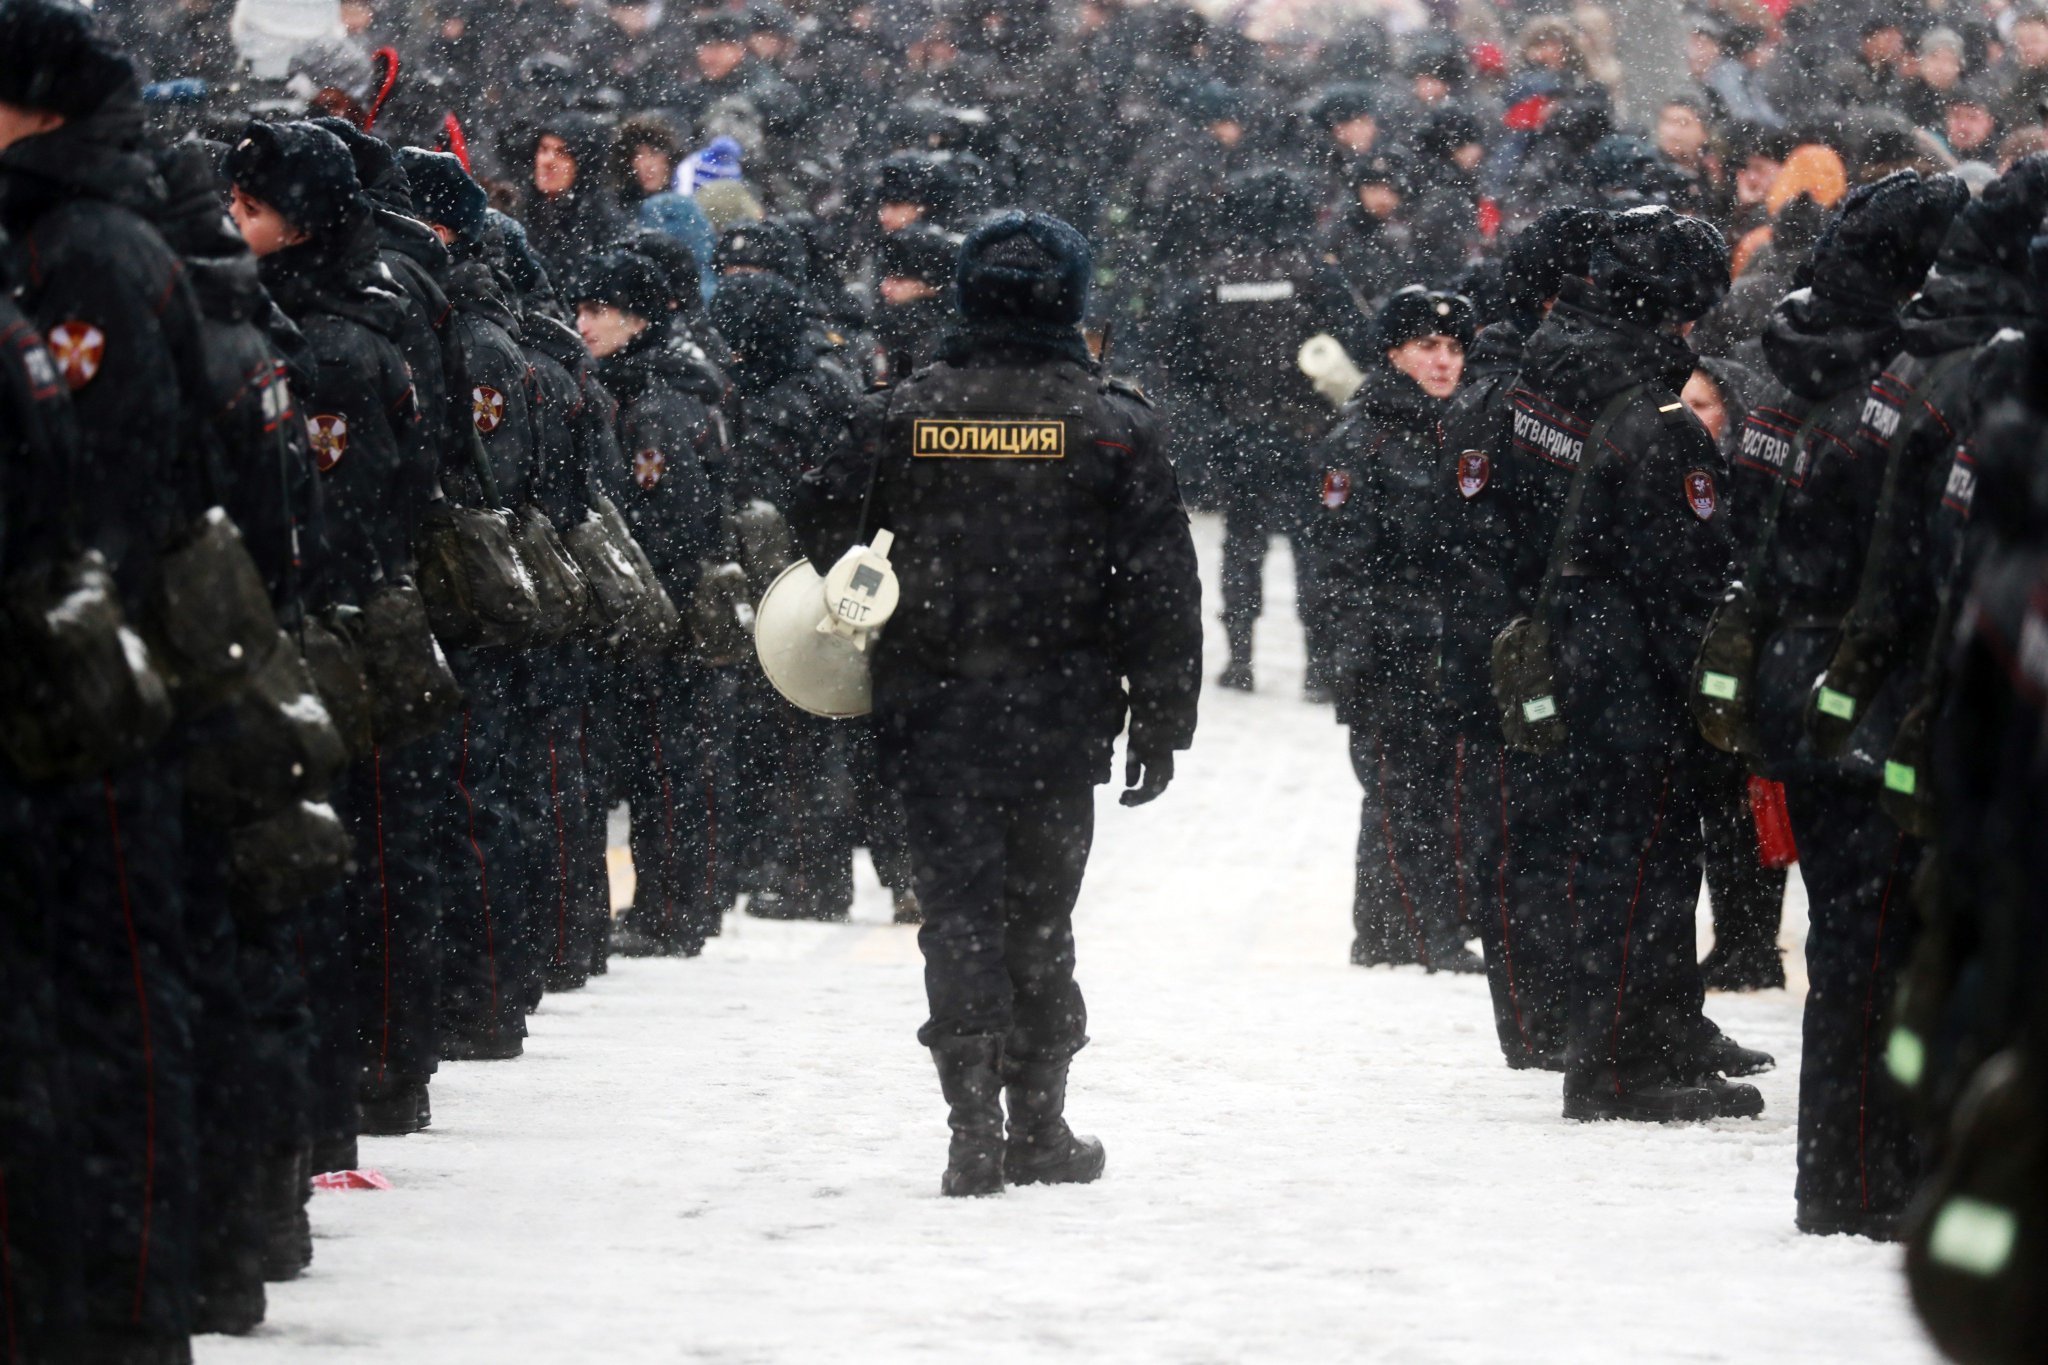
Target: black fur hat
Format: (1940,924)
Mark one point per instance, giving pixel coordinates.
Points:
(1025,265)
(1658,267)
(54,56)
(918,252)
(1875,252)
(1422,312)
(768,245)
(1556,247)
(443,192)
(625,280)
(304,172)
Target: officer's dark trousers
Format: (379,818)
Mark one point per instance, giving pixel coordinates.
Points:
(590,839)
(670,778)
(549,707)
(1857,1153)
(39,1238)
(878,808)
(1519,861)
(1748,898)
(399,798)
(814,815)
(227,1106)
(1635,1003)
(998,878)
(116,857)
(1250,521)
(1404,902)
(480,856)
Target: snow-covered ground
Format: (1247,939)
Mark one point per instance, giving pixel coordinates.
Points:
(736,1159)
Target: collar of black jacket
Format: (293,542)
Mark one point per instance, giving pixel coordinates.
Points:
(98,156)
(970,342)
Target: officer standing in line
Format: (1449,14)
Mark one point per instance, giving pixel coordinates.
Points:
(1513,825)
(1637,578)
(1036,588)
(1804,500)
(300,207)
(670,438)
(38,442)
(108,296)
(1377,540)
(1230,342)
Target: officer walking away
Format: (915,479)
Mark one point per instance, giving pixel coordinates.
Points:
(1048,589)
(1378,544)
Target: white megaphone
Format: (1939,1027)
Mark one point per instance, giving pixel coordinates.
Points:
(811,633)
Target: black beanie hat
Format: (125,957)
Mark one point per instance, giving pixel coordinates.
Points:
(1658,267)
(918,252)
(1873,255)
(1421,312)
(54,56)
(1025,265)
(768,245)
(625,280)
(1556,247)
(303,172)
(443,192)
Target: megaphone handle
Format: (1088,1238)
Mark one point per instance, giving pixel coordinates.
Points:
(881,543)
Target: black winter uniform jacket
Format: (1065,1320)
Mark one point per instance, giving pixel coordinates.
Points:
(374,453)
(1480,555)
(670,437)
(1378,536)
(38,441)
(1045,563)
(501,394)
(1650,554)
(1823,363)
(112,303)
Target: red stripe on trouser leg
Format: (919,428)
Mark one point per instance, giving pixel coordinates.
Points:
(483,870)
(1629,929)
(1507,937)
(1394,862)
(561,854)
(1884,906)
(668,820)
(148,1049)
(384,891)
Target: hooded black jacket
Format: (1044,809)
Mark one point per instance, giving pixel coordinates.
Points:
(1034,588)
(110,296)
(567,227)
(1650,551)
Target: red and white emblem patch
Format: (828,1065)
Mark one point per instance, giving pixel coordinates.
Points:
(1336,488)
(1475,471)
(78,348)
(648,467)
(329,435)
(487,405)
(1700,494)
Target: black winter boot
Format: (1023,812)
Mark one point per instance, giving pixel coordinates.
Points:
(285,1178)
(1237,675)
(1603,1101)
(1042,1149)
(396,1107)
(971,1078)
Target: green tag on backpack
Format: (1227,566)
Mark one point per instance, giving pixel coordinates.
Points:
(1902,778)
(1720,686)
(1543,708)
(1840,705)
(1973,1236)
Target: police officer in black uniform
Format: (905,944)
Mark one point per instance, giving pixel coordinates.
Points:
(108,296)
(300,207)
(1510,812)
(1229,346)
(671,439)
(1045,594)
(1378,543)
(1804,498)
(1637,577)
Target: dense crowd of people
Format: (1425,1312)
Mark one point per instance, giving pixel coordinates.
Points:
(406,402)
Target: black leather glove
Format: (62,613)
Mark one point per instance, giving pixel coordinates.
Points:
(1155,762)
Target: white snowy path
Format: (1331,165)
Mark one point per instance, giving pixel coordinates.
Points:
(736,1159)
